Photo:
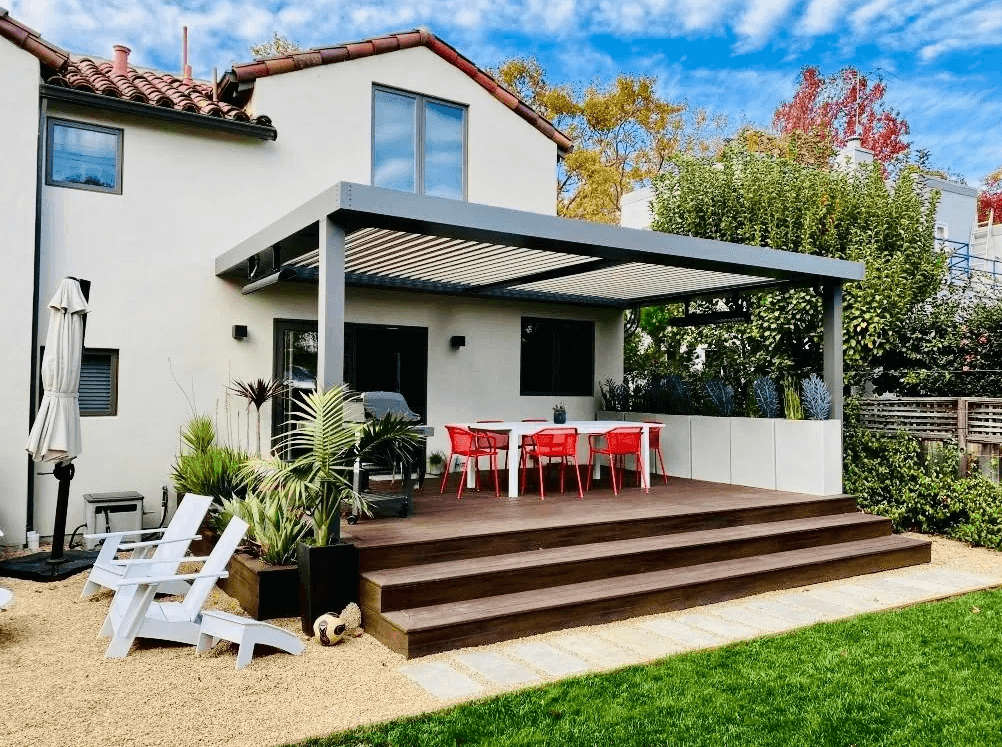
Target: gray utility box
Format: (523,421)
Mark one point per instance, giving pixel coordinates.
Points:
(113,512)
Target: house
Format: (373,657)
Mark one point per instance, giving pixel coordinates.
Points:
(193,208)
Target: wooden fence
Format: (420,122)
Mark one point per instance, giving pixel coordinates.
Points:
(974,423)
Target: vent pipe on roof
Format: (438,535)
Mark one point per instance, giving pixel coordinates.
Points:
(185,67)
(121,63)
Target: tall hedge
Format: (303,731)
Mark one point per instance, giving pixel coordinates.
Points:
(774,202)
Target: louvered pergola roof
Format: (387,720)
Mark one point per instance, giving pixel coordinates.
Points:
(413,242)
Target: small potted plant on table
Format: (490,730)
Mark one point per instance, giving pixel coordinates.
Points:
(559,413)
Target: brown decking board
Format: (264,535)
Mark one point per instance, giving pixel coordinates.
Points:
(451,581)
(485,569)
(422,631)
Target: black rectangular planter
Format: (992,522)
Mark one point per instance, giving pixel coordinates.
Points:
(328,580)
(264,591)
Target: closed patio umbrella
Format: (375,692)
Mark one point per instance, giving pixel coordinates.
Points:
(55,434)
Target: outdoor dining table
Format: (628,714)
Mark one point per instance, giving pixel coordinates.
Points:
(517,429)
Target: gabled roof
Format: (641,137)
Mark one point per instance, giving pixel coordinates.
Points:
(30,41)
(248,72)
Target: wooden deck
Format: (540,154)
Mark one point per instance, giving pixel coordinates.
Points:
(484,569)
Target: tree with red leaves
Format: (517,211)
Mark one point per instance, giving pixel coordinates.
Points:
(833,108)
(990,198)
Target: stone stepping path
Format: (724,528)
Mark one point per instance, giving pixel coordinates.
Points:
(460,675)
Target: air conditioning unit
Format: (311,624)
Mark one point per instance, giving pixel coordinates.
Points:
(113,512)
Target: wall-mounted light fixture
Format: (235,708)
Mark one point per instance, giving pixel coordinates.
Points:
(239,331)
(457,341)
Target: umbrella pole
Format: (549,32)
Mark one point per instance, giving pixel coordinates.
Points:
(64,473)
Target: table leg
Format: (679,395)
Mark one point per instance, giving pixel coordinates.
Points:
(645,455)
(471,474)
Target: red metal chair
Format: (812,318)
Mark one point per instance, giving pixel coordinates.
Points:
(619,444)
(502,440)
(655,443)
(465,443)
(525,443)
(553,443)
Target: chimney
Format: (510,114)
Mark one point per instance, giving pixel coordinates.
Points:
(121,64)
(185,67)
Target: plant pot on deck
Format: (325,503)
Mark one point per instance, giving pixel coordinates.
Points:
(328,580)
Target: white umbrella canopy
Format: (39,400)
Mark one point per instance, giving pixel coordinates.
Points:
(55,434)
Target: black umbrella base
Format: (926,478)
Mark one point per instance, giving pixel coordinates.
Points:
(38,567)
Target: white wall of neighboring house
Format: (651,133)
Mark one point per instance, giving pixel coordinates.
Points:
(189,195)
(957,209)
(19,73)
(635,208)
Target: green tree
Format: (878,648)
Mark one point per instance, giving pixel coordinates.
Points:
(624,134)
(759,200)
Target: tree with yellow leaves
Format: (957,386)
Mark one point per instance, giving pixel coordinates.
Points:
(624,133)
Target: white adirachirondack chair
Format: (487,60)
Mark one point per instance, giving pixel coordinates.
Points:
(168,551)
(134,613)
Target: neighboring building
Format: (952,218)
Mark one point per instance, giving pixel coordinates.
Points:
(139,199)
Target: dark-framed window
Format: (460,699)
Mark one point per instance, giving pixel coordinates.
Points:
(557,357)
(83,156)
(98,393)
(418,144)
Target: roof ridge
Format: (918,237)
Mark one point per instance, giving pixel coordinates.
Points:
(31,41)
(262,67)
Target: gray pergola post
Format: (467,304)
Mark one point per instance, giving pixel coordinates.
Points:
(832,344)
(330,305)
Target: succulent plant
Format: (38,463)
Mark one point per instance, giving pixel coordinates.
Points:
(816,398)
(678,393)
(766,397)
(721,395)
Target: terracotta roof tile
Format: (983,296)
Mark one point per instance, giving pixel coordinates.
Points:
(148,87)
(50,55)
(277,65)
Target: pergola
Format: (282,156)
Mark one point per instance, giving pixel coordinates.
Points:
(358,235)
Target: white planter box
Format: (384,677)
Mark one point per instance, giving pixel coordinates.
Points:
(753,452)
(710,448)
(809,456)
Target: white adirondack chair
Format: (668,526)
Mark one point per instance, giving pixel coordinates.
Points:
(133,613)
(168,551)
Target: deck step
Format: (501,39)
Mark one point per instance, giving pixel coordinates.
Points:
(458,580)
(430,629)
(562,526)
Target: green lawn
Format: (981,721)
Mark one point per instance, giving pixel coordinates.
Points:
(928,675)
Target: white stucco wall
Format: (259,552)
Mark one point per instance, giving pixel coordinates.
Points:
(635,208)
(189,195)
(19,73)
(957,208)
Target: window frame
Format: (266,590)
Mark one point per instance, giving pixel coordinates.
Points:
(556,392)
(419,131)
(118,132)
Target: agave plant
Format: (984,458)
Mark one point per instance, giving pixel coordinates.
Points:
(319,481)
(678,394)
(203,467)
(257,393)
(721,395)
(766,397)
(817,399)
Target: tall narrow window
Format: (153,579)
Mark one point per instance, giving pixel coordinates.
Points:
(418,144)
(84,156)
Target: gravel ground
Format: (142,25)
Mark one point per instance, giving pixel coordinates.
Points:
(59,690)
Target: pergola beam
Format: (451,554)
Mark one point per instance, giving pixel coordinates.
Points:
(554,274)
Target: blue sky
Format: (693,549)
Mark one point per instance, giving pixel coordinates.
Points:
(941,59)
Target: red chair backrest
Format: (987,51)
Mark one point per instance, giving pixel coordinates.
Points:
(462,439)
(498,439)
(556,442)
(656,426)
(624,440)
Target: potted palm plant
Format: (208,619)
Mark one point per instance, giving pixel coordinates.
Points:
(323,447)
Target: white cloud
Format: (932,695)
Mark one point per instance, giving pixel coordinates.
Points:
(821,17)
(758,21)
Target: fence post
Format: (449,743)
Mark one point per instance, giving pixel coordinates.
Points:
(962,435)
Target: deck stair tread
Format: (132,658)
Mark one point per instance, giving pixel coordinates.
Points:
(422,529)
(457,570)
(485,609)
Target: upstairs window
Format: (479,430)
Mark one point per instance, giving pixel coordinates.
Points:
(558,357)
(84,156)
(418,144)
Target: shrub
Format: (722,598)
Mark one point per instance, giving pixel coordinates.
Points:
(817,399)
(766,398)
(722,396)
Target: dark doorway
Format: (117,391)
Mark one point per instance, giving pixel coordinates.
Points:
(377,357)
